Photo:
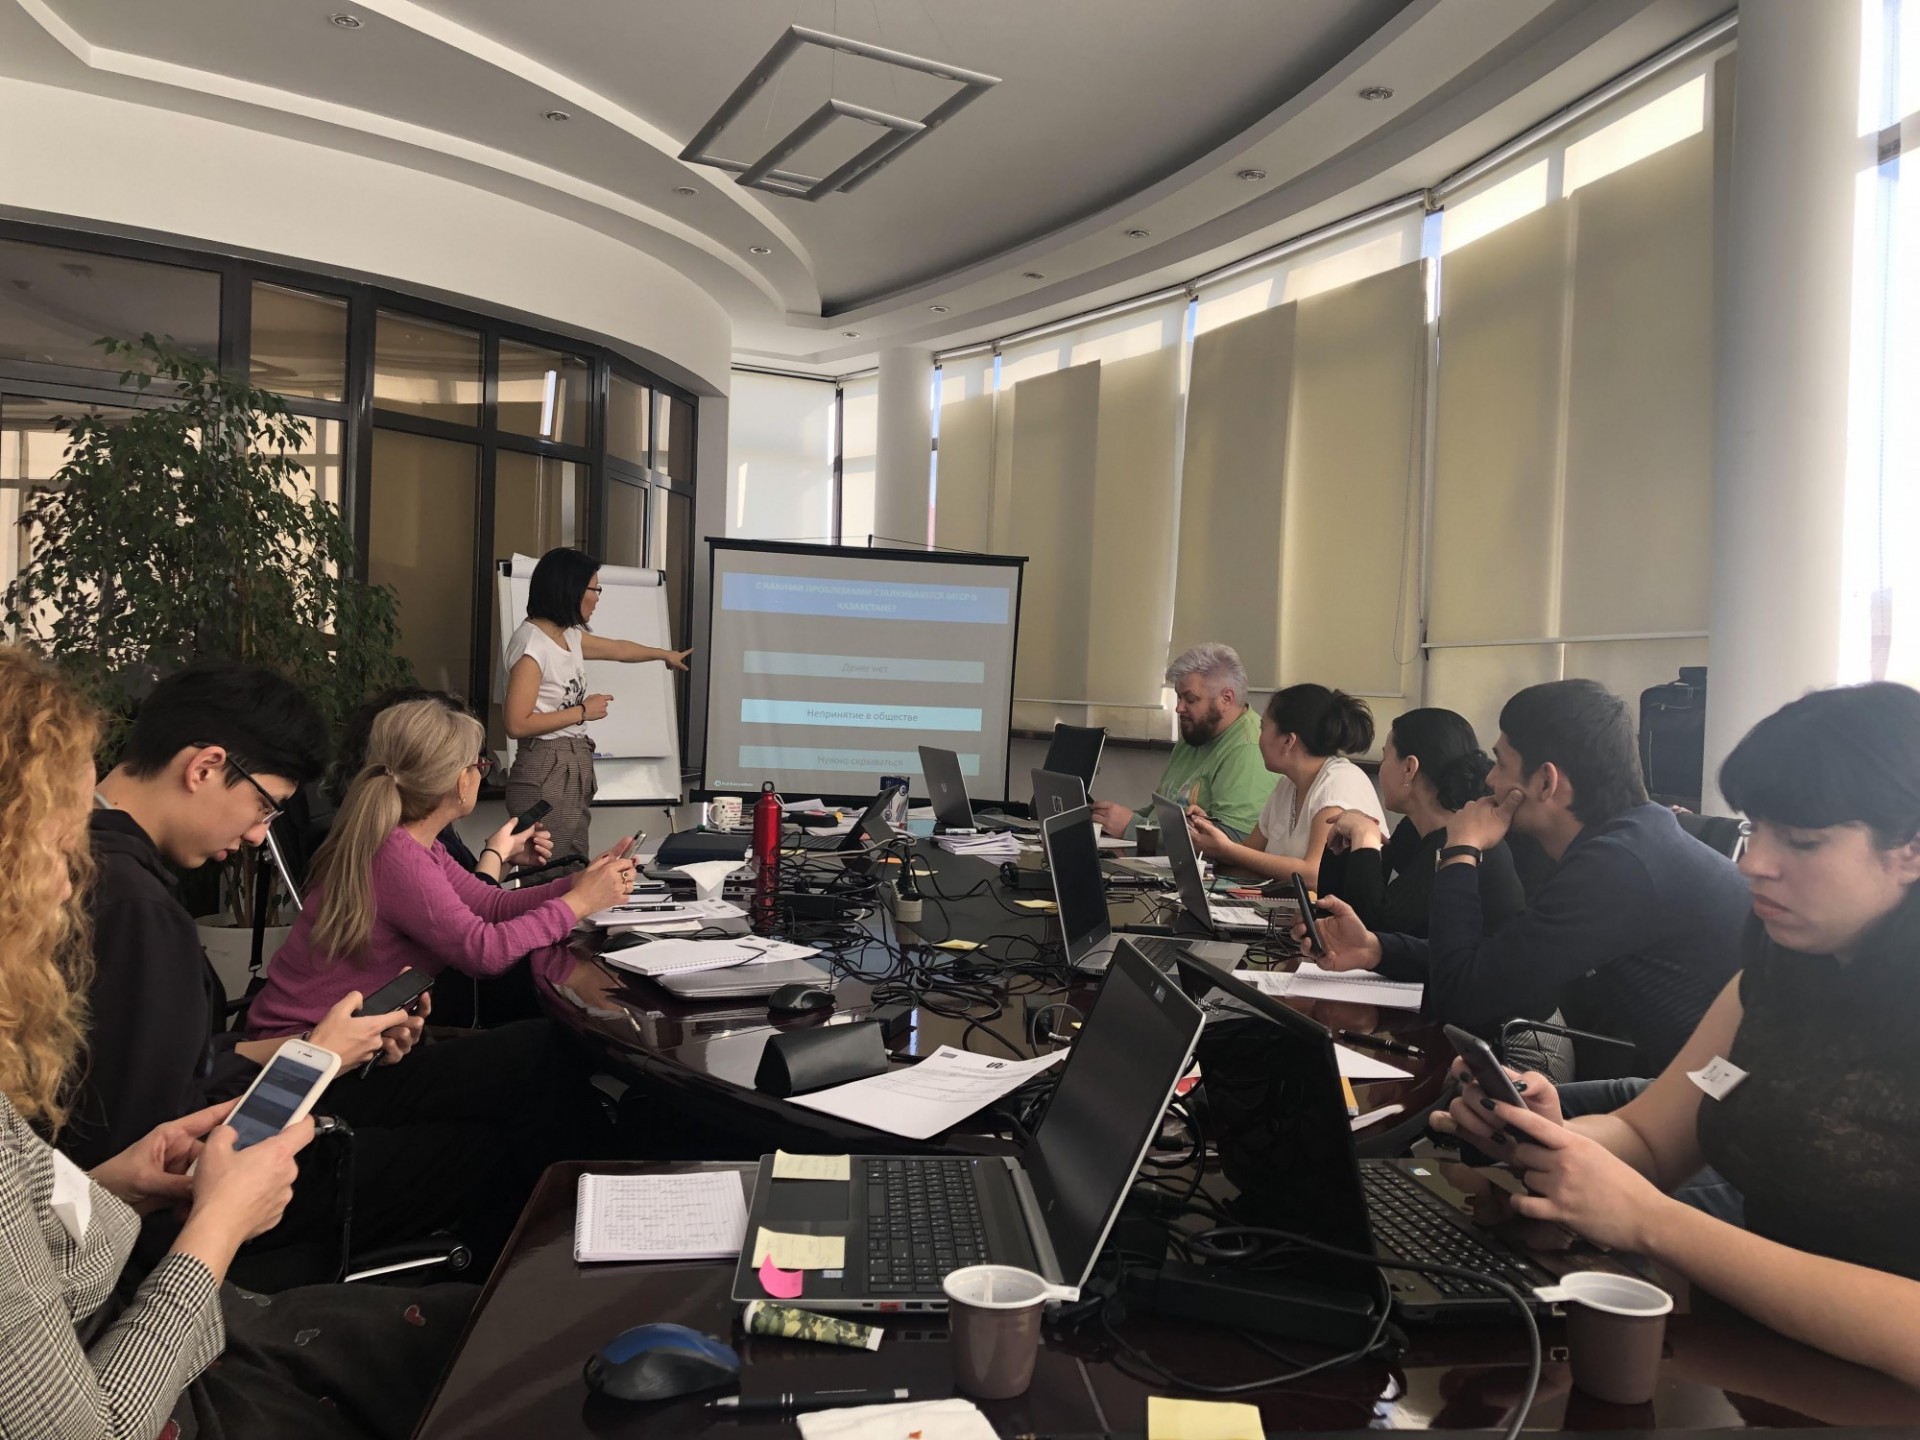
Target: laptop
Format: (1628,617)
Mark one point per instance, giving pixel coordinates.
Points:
(1177,841)
(947,791)
(861,835)
(1278,1115)
(1080,896)
(909,1219)
(742,981)
(1054,793)
(1076,750)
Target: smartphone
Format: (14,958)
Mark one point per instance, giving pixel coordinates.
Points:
(283,1092)
(633,847)
(1483,1065)
(1315,945)
(399,993)
(533,815)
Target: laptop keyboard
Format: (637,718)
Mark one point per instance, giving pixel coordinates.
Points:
(1159,949)
(1412,1222)
(813,842)
(923,1219)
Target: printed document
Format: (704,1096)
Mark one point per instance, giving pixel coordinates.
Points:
(939,1092)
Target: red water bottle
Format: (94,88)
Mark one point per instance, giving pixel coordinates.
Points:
(766,858)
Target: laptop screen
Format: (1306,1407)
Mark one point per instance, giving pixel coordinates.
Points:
(1277,1113)
(1073,857)
(945,787)
(1107,1106)
(1177,841)
(1075,750)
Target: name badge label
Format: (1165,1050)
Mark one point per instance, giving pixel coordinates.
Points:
(1718,1077)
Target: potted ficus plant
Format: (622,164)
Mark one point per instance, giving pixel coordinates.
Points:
(189,531)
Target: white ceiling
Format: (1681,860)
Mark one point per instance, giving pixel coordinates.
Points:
(1111,115)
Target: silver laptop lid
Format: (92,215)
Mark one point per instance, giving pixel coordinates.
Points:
(1055,794)
(946,788)
(1134,1046)
(1073,859)
(1176,842)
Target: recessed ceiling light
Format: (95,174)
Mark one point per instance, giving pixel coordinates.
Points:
(851,334)
(1376,92)
(685,190)
(1251,175)
(1139,234)
(938,309)
(1031,275)
(555,115)
(345,21)
(759,249)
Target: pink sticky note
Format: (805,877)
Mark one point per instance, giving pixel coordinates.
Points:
(780,1284)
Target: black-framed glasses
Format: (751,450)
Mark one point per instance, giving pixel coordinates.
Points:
(275,808)
(596,589)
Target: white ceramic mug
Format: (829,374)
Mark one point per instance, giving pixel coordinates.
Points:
(723,812)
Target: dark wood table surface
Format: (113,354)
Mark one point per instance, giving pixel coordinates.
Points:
(518,1370)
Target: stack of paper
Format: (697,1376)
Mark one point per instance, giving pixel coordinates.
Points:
(655,913)
(1000,845)
(702,1216)
(1361,987)
(922,1100)
(680,957)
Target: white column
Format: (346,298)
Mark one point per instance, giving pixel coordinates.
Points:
(904,446)
(1784,301)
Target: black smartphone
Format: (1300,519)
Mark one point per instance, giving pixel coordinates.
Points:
(399,993)
(1305,901)
(533,815)
(1484,1065)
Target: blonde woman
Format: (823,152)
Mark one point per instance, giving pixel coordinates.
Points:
(385,895)
(141,1370)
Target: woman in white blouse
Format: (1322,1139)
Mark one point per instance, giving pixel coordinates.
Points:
(1305,735)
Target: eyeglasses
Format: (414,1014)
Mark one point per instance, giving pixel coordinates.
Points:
(275,808)
(484,765)
(596,589)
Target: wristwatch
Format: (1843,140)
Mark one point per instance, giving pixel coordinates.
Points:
(1457,852)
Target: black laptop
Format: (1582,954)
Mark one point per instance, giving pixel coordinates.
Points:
(910,1219)
(1054,793)
(1277,1112)
(870,829)
(1213,917)
(1080,896)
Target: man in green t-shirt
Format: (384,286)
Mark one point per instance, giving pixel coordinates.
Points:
(1218,753)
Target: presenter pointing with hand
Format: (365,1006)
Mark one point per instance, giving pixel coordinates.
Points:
(547,704)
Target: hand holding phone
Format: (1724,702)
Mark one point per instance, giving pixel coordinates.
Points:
(531,816)
(283,1092)
(1315,946)
(1484,1066)
(405,992)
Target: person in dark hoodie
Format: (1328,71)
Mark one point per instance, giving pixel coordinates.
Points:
(215,752)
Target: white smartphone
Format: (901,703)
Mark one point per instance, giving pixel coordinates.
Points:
(283,1092)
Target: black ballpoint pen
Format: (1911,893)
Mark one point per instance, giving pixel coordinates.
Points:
(1374,1042)
(811,1400)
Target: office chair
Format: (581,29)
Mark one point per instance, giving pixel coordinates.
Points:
(1716,832)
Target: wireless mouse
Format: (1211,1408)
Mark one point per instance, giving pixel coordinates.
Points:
(800,996)
(657,1362)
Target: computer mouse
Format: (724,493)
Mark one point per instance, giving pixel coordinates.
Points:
(657,1362)
(800,996)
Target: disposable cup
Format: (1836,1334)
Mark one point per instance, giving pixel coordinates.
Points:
(1616,1330)
(994,1313)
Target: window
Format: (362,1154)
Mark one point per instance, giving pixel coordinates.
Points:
(673,446)
(859,445)
(626,542)
(424,369)
(425,507)
(780,458)
(629,420)
(54,303)
(31,453)
(543,393)
(299,343)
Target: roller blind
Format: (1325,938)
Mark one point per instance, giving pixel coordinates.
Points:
(1055,430)
(963,491)
(859,447)
(780,458)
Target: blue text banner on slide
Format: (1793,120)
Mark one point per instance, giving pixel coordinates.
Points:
(829,666)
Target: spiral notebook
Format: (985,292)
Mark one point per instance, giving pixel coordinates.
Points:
(701,1216)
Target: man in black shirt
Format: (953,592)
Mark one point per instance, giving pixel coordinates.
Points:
(1634,934)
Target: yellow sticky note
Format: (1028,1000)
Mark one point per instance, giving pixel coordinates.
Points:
(1201,1420)
(1046,905)
(810,1167)
(800,1252)
(958,945)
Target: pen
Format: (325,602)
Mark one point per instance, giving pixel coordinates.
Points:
(812,1400)
(1376,1042)
(1353,1105)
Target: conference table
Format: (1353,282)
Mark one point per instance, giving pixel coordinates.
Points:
(517,1372)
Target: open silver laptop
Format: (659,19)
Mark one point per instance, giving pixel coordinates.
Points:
(1053,794)
(1177,841)
(908,1220)
(1080,896)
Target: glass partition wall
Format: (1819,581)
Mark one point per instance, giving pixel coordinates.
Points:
(451,441)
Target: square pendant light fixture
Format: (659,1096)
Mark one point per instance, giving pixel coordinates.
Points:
(899,130)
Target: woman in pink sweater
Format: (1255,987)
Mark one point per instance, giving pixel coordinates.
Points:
(387,897)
